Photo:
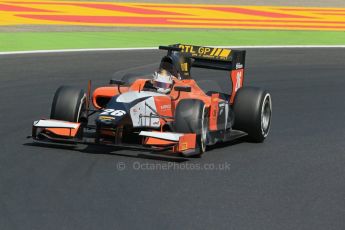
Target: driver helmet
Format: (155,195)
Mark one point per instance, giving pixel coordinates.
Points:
(162,81)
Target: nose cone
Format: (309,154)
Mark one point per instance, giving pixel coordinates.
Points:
(118,111)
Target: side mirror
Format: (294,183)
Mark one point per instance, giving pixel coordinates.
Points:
(183,88)
(116,82)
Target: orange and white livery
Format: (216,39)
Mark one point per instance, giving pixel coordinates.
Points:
(182,118)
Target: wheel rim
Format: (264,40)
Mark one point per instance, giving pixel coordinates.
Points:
(203,131)
(266,113)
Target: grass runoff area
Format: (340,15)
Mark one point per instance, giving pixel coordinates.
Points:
(26,41)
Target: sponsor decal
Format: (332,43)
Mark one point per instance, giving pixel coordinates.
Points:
(239,66)
(165,107)
(206,52)
(106,118)
(238,80)
(184,146)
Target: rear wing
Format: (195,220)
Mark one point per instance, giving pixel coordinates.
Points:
(210,58)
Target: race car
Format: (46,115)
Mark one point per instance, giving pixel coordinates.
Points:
(168,112)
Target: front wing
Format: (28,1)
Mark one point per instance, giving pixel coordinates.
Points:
(55,131)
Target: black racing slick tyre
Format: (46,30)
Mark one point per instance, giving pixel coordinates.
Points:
(68,104)
(191,117)
(253,112)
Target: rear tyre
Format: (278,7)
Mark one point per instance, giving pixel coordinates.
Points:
(253,112)
(68,104)
(191,117)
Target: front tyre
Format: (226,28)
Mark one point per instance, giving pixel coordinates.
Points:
(68,104)
(253,112)
(191,117)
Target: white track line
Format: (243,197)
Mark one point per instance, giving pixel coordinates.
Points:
(155,48)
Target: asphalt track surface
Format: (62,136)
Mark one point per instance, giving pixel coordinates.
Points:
(295,180)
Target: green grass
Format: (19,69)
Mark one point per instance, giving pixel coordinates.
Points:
(20,41)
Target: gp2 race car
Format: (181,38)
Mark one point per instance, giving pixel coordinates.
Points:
(186,120)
